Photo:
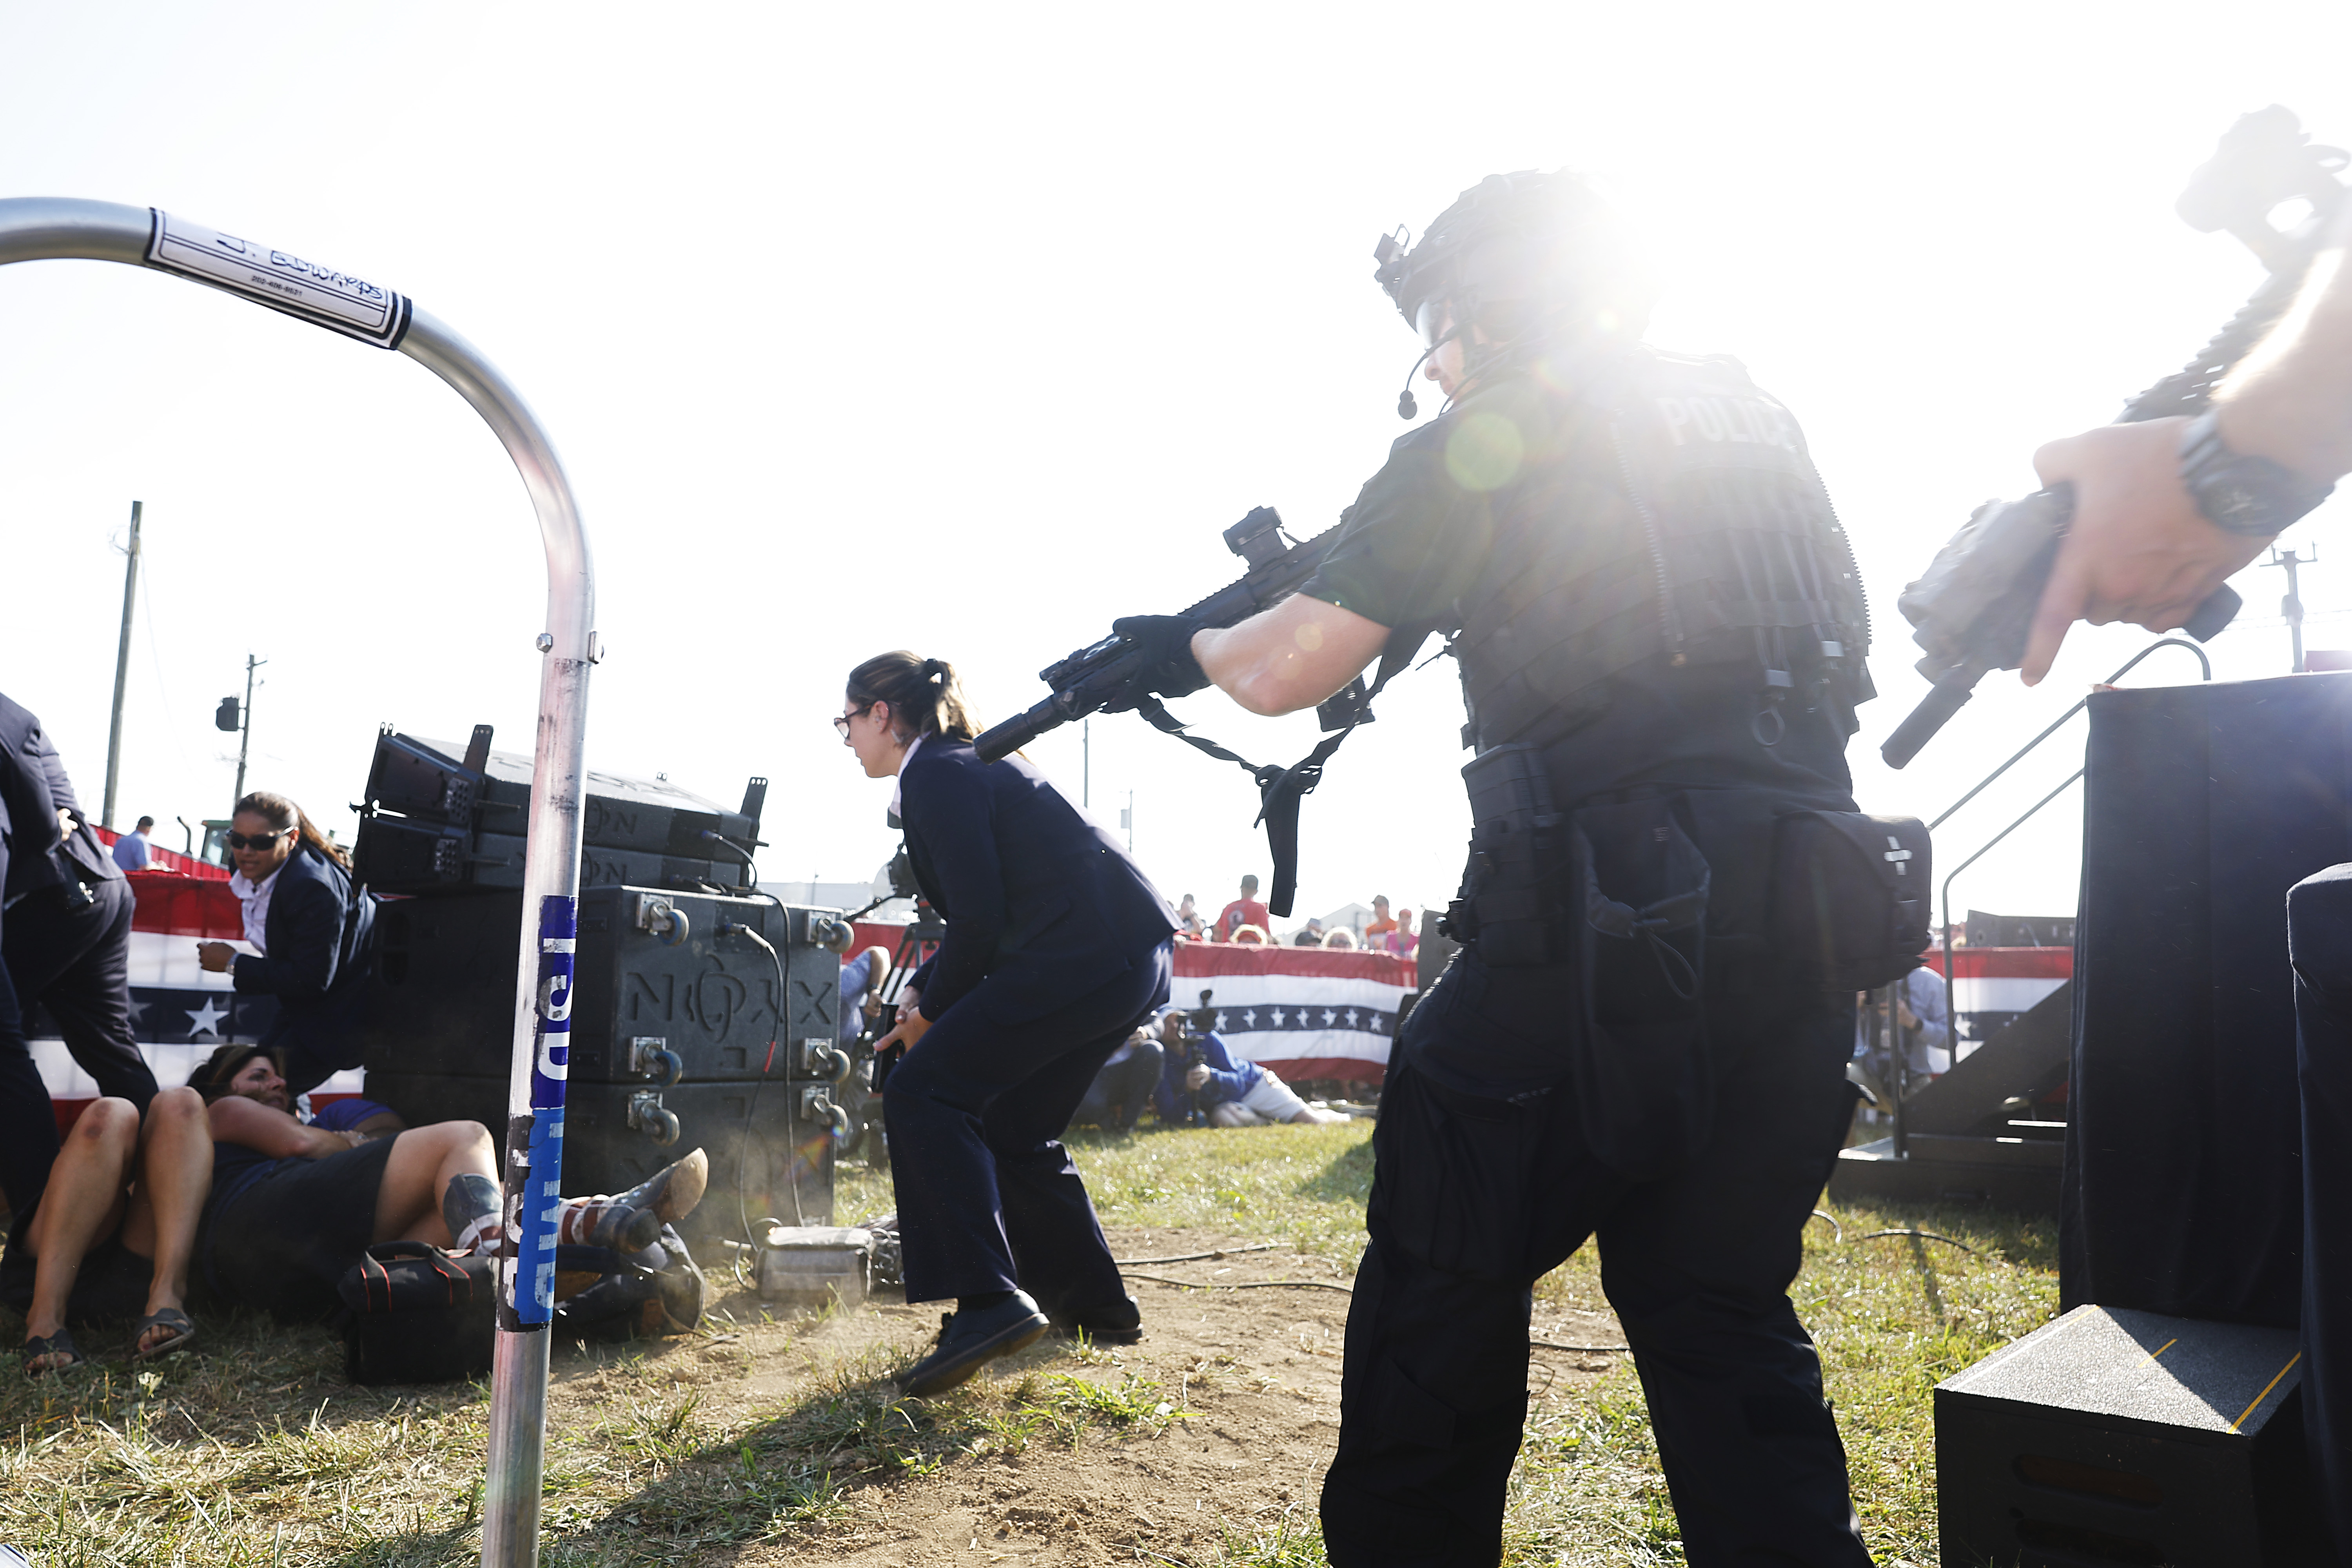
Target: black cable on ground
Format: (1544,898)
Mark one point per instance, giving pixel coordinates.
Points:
(1925,1235)
(1248,1284)
(1199,1257)
(1824,1213)
(1583,1350)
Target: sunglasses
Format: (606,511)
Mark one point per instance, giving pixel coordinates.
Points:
(258,840)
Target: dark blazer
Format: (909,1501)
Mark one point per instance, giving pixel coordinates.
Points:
(1037,899)
(33,785)
(320,931)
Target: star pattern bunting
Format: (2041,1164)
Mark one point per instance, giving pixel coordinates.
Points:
(1294,1020)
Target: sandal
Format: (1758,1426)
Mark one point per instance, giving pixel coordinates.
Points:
(183,1327)
(59,1343)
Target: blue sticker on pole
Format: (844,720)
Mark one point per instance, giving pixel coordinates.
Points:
(534,1289)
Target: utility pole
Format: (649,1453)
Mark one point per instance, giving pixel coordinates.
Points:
(121,669)
(2292,605)
(228,718)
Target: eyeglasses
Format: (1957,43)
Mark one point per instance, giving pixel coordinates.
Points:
(841,720)
(258,840)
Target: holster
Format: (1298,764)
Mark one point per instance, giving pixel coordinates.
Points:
(1512,907)
(1638,1060)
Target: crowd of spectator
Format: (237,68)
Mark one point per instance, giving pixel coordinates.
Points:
(1247,922)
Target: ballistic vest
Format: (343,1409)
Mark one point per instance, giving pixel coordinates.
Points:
(1667,508)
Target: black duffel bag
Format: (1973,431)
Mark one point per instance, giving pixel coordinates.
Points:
(413,1313)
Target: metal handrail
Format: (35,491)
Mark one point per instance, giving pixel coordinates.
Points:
(1951,979)
(38,228)
(2162,642)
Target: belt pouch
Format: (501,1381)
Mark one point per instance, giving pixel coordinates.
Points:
(1638,1058)
(1850,896)
(1511,909)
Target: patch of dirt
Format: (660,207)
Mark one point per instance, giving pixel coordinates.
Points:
(1256,1372)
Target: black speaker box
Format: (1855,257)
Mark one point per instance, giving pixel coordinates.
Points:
(771,1156)
(448,969)
(2115,1438)
(653,817)
(2203,804)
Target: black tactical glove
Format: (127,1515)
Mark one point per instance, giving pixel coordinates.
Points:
(1165,644)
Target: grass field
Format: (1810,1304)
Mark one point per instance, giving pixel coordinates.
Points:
(257,1452)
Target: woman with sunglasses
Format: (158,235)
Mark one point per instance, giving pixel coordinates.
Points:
(1056,948)
(312,932)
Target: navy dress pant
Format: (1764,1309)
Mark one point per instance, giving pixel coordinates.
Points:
(988,1198)
(1474,1199)
(74,962)
(2319,940)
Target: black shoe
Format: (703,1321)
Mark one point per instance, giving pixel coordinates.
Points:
(969,1340)
(1118,1323)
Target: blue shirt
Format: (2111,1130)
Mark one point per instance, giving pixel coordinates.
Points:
(1228,1079)
(857,977)
(131,852)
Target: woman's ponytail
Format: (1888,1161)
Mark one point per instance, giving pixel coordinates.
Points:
(924,695)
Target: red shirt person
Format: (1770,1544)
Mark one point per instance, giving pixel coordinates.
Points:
(1244,911)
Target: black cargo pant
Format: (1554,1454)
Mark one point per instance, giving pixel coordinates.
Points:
(1475,1199)
(73,960)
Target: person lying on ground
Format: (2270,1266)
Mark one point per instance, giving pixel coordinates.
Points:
(1228,1093)
(1123,1087)
(294,1205)
(112,1233)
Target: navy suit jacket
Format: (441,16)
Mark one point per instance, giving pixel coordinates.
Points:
(33,786)
(1037,899)
(319,932)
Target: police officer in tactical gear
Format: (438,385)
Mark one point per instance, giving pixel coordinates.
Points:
(1661,634)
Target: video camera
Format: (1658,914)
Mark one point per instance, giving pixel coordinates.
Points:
(1974,606)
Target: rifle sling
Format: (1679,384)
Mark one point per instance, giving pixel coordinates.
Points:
(1281,789)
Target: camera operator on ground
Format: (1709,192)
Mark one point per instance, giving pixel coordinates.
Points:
(1201,1073)
(313,934)
(1056,946)
(1659,626)
(1124,1087)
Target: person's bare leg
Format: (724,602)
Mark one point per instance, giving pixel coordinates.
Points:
(408,1205)
(82,1202)
(174,1174)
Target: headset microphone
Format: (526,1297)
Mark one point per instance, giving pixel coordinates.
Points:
(1406,406)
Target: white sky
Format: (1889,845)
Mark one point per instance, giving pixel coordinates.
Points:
(967,329)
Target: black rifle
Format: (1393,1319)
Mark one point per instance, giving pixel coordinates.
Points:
(1974,605)
(1100,677)
(1104,678)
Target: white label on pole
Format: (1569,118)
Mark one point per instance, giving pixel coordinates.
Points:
(319,295)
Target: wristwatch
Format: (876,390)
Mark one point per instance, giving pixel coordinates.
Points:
(2254,497)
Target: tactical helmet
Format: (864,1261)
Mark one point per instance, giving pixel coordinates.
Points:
(1519,251)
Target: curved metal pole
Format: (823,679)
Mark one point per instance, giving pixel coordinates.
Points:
(56,229)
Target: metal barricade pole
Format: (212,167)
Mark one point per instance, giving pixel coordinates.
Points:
(54,229)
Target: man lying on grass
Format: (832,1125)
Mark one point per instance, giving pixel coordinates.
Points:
(294,1205)
(110,1235)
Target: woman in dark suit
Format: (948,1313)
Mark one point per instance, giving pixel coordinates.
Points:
(315,933)
(1056,947)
